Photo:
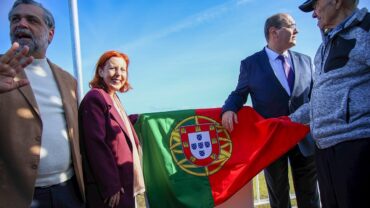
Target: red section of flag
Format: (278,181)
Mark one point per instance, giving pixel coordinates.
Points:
(257,142)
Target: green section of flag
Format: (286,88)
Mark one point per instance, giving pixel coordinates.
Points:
(167,185)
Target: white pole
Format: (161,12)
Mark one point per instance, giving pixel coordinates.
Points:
(76,49)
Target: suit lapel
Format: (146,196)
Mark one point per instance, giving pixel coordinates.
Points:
(27,93)
(266,66)
(296,66)
(67,88)
(114,112)
(119,119)
(68,97)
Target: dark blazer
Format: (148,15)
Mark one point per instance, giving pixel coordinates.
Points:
(20,138)
(106,150)
(269,98)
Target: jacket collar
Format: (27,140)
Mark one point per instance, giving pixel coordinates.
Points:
(66,95)
(113,111)
(265,64)
(354,19)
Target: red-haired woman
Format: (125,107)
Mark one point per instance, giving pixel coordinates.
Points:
(110,147)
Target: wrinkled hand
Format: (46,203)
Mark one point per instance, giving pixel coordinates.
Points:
(113,201)
(228,120)
(11,63)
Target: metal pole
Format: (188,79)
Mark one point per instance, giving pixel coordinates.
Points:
(76,49)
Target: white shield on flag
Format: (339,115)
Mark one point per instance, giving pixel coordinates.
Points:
(200,144)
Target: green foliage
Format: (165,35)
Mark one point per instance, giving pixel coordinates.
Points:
(140,201)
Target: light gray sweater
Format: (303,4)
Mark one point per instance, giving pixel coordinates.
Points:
(339,109)
(55,156)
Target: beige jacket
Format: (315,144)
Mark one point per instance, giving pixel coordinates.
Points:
(20,139)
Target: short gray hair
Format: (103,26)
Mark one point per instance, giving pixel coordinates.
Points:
(48,17)
(275,20)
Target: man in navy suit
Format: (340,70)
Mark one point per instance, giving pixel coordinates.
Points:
(278,81)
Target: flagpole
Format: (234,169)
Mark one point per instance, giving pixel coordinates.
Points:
(76,48)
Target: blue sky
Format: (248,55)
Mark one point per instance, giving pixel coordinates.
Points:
(184,54)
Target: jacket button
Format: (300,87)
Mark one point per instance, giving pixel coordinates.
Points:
(38,138)
(34,166)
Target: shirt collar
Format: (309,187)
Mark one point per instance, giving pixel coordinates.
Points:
(273,55)
(342,25)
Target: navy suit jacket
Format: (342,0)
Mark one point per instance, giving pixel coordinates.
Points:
(269,98)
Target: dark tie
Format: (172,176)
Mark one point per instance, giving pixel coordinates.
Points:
(288,71)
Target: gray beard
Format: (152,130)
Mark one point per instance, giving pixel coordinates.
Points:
(34,44)
(30,43)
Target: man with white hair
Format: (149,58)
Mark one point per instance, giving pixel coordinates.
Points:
(339,108)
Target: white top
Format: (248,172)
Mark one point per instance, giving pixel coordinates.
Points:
(55,158)
(277,67)
(139,185)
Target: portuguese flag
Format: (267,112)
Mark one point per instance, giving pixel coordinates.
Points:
(190,160)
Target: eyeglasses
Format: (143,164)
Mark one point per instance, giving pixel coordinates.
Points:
(291,26)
